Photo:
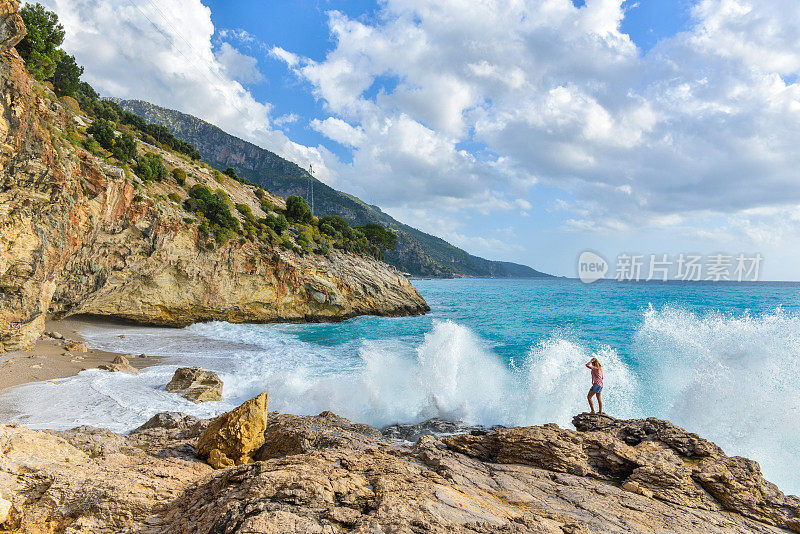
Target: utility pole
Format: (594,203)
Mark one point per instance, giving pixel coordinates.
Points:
(311,173)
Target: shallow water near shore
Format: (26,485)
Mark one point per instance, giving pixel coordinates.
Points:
(720,360)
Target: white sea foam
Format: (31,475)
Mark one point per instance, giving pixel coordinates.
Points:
(734,380)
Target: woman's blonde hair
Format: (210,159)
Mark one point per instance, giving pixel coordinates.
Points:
(597,362)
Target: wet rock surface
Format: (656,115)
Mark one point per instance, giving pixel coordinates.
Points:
(435,426)
(196,384)
(120,364)
(326,474)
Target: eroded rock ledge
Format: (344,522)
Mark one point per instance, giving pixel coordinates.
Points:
(324,474)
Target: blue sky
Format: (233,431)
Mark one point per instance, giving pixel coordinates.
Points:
(525,131)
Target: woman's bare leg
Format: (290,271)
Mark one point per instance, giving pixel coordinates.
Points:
(589,398)
(599,401)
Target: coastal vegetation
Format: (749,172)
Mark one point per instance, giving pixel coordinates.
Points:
(47,62)
(40,47)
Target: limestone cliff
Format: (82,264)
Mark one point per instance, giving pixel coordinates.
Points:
(323,474)
(80,236)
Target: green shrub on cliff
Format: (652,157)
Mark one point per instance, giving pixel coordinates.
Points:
(297,209)
(39,48)
(67,76)
(245,210)
(372,239)
(125,147)
(70,104)
(378,236)
(92,146)
(276,223)
(103,133)
(335,226)
(267,206)
(304,243)
(179,175)
(151,167)
(214,208)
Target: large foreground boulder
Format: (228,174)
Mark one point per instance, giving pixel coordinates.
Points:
(233,437)
(196,384)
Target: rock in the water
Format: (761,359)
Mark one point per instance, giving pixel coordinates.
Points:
(233,437)
(196,384)
(76,346)
(55,335)
(120,364)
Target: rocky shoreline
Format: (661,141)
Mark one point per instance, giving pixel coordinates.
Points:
(61,351)
(286,473)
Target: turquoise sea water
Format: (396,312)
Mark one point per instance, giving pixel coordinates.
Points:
(719,359)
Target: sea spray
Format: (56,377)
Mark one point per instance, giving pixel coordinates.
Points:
(557,382)
(733,379)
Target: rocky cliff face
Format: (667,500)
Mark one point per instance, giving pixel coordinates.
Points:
(79,236)
(324,474)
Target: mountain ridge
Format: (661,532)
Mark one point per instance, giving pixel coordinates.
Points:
(417,253)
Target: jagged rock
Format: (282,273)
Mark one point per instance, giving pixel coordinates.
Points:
(87,480)
(12,29)
(290,434)
(647,457)
(196,384)
(735,483)
(120,364)
(233,437)
(76,346)
(345,477)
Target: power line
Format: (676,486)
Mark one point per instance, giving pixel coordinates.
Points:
(172,43)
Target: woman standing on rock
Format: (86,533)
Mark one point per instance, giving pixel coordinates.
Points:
(597,383)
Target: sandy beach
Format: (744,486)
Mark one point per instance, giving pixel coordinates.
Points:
(62,354)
